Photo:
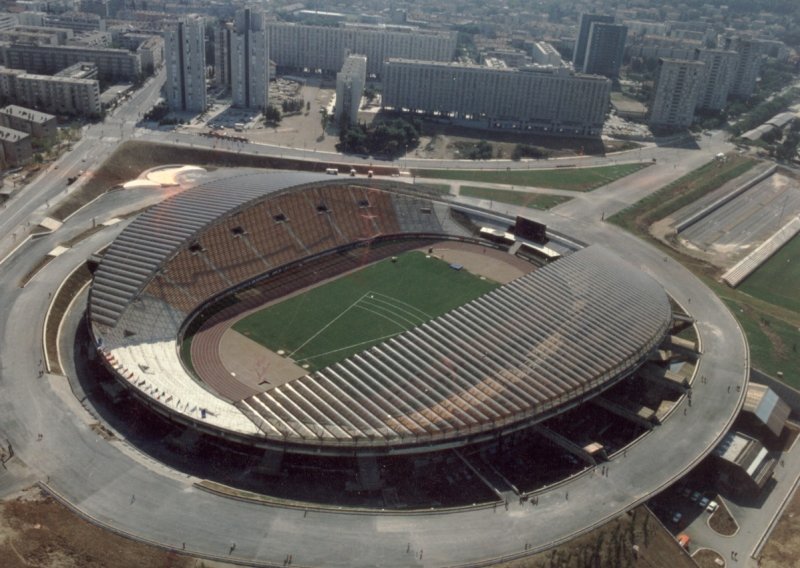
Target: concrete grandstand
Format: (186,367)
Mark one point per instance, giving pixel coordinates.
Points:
(529,351)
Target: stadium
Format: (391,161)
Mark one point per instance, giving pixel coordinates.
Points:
(304,315)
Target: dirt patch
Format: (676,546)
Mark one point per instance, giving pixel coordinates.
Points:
(707,558)
(483,261)
(722,521)
(783,547)
(778,347)
(445,141)
(612,545)
(36,530)
(253,364)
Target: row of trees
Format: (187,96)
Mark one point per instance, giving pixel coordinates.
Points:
(784,147)
(764,111)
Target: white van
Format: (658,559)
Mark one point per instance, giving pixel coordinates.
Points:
(332,171)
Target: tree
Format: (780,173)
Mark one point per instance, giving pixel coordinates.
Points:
(528,151)
(370,93)
(272,115)
(481,151)
(391,138)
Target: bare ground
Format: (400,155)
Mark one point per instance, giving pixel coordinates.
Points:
(612,545)
(783,547)
(707,558)
(722,521)
(36,530)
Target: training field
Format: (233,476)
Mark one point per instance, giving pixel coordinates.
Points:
(331,322)
(777,281)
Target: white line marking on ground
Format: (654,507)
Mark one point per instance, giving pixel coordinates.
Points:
(351,346)
(327,325)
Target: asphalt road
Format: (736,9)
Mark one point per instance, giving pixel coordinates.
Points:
(119,487)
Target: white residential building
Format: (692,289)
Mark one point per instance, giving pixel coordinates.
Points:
(718,78)
(51,93)
(751,55)
(678,86)
(185,55)
(324,48)
(249,57)
(536,99)
(350,83)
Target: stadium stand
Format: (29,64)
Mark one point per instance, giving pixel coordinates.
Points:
(511,357)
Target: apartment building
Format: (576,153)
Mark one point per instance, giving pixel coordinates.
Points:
(582,41)
(112,64)
(40,125)
(76,21)
(296,46)
(751,56)
(223,35)
(677,89)
(538,99)
(185,55)
(17,149)
(54,94)
(720,69)
(605,48)
(350,83)
(249,57)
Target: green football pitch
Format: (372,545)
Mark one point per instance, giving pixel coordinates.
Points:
(347,315)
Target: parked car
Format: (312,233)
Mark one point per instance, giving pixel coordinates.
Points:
(695,496)
(712,506)
(703,503)
(676,518)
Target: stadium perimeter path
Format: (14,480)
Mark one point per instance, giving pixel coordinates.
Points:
(141,499)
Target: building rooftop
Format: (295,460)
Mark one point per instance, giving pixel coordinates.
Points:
(26,113)
(11,135)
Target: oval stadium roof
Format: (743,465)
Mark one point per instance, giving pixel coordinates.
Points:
(511,356)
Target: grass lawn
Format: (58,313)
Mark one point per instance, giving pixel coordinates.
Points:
(683,191)
(777,281)
(774,343)
(575,179)
(331,322)
(532,200)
